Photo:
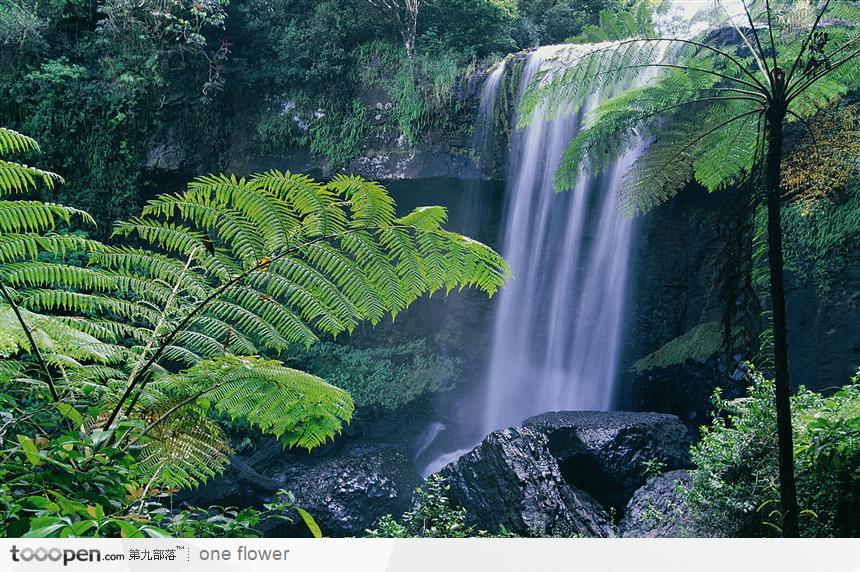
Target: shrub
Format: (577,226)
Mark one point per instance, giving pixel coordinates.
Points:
(474,27)
(735,488)
(433,516)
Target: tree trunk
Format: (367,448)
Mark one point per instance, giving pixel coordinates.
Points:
(787,488)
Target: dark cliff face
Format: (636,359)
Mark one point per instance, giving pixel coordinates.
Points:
(677,265)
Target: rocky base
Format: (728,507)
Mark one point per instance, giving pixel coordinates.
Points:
(608,454)
(346,490)
(568,473)
(562,474)
(658,509)
(512,482)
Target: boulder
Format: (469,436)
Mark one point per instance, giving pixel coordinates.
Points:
(607,454)
(346,489)
(347,494)
(512,481)
(658,509)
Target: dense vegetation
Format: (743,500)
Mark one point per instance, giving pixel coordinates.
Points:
(110,87)
(735,489)
(138,355)
(118,359)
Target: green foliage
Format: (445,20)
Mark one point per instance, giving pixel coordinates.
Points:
(471,27)
(433,516)
(387,377)
(554,21)
(62,485)
(820,240)
(21,26)
(653,468)
(736,482)
(704,114)
(338,136)
(228,522)
(66,486)
(422,90)
(185,447)
(620,25)
(147,332)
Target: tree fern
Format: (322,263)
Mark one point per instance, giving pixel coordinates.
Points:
(229,267)
(715,113)
(23,225)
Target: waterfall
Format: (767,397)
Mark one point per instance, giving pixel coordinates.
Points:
(467,217)
(558,326)
(557,330)
(470,211)
(483,141)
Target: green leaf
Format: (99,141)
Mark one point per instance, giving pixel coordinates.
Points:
(128,530)
(42,503)
(31,452)
(72,414)
(309,522)
(81,527)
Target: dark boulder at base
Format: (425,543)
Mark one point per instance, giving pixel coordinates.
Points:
(346,495)
(686,389)
(607,453)
(512,481)
(346,489)
(658,509)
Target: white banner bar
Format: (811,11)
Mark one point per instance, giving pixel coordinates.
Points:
(420,555)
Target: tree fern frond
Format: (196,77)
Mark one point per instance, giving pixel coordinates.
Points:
(316,203)
(16,178)
(20,246)
(184,451)
(301,409)
(36,217)
(369,202)
(14,142)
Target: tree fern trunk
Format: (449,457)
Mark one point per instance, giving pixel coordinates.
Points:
(787,488)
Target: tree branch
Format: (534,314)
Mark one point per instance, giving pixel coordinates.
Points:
(805,43)
(796,92)
(759,59)
(770,32)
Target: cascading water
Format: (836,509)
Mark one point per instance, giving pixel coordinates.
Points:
(558,329)
(470,212)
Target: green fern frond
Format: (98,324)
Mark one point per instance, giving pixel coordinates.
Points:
(36,217)
(301,409)
(14,142)
(185,451)
(16,178)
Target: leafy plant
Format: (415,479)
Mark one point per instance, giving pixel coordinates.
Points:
(433,516)
(226,269)
(653,468)
(229,522)
(385,377)
(735,488)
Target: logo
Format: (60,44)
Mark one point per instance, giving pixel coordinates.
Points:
(65,556)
